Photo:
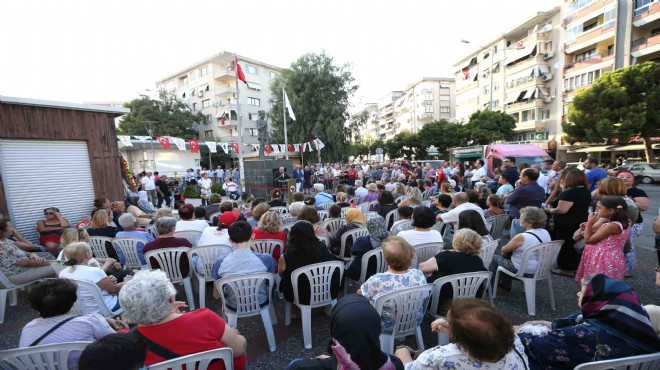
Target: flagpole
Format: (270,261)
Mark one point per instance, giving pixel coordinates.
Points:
(286,141)
(240,129)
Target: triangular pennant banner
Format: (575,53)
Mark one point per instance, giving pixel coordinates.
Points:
(164,141)
(290,148)
(225,147)
(282,148)
(125,139)
(212,145)
(179,142)
(143,138)
(268,148)
(276,148)
(255,147)
(319,144)
(296,147)
(309,146)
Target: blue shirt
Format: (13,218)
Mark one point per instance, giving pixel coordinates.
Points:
(594,176)
(531,194)
(323,197)
(140,247)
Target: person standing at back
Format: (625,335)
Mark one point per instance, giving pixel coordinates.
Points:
(149,185)
(595,173)
(511,169)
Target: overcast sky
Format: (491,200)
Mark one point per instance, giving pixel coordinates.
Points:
(113,50)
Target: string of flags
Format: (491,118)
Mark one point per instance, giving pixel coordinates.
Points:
(167,141)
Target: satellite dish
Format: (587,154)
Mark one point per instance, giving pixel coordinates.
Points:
(559,64)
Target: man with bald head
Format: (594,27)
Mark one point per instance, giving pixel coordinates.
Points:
(461,204)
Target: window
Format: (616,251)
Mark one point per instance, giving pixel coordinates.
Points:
(273,75)
(495,104)
(596,74)
(586,55)
(445,109)
(428,96)
(253,101)
(590,26)
(548,46)
(494,49)
(609,17)
(528,115)
(208,134)
(544,113)
(209,118)
(206,103)
(252,70)
(428,109)
(203,71)
(496,86)
(486,89)
(254,132)
(444,97)
(194,106)
(590,78)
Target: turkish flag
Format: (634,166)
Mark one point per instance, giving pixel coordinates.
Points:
(194,146)
(239,72)
(164,141)
(235,146)
(268,148)
(466,73)
(222,120)
(290,148)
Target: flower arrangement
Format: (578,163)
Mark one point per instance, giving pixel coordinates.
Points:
(126,174)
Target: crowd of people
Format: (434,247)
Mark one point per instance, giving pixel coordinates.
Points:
(400,206)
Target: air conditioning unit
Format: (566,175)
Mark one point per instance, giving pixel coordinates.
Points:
(547,99)
(200,93)
(549,55)
(547,77)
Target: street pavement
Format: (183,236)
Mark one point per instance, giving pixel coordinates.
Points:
(289,338)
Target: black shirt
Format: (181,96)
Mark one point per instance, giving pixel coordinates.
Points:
(579,211)
(633,193)
(164,188)
(450,263)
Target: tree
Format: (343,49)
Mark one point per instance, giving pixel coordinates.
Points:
(486,127)
(618,106)
(441,134)
(168,115)
(405,145)
(356,125)
(318,91)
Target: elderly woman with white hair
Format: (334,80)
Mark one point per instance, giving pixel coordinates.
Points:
(144,203)
(321,196)
(294,211)
(129,224)
(149,300)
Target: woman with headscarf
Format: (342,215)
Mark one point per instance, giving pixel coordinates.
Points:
(612,324)
(354,220)
(377,233)
(144,203)
(355,344)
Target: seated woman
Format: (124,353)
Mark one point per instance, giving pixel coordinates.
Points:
(17,265)
(533,220)
(494,204)
(342,200)
(414,197)
(471,219)
(100,225)
(354,220)
(20,241)
(276,197)
(294,211)
(142,217)
(377,233)
(398,255)
(482,338)
(385,205)
(101,203)
(78,256)
(334,211)
(355,331)
(464,257)
(311,215)
(145,204)
(303,249)
(149,300)
(423,221)
(259,207)
(270,227)
(50,230)
(53,299)
(214,235)
(612,324)
(109,265)
(399,190)
(187,221)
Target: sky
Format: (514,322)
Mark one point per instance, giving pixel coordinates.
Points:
(82,51)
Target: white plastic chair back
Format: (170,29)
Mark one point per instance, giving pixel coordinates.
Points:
(168,260)
(98,245)
(425,195)
(324,239)
(439,227)
(400,226)
(214,215)
(151,229)
(79,307)
(497,223)
(280,210)
(192,236)
(246,289)
(267,246)
(364,207)
(354,200)
(353,235)
(400,199)
(407,302)
(323,215)
(391,217)
(333,224)
(642,362)
(488,251)
(426,203)
(129,248)
(343,211)
(425,251)
(198,361)
(326,205)
(381,265)
(207,255)
(49,356)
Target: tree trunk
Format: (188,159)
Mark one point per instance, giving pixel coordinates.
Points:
(648,149)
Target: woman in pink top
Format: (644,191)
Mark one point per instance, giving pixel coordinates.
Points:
(270,227)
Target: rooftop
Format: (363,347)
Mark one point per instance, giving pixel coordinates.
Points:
(119,111)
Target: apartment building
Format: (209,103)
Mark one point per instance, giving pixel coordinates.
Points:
(209,87)
(645,45)
(516,73)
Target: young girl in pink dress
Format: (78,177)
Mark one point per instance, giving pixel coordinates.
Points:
(603,253)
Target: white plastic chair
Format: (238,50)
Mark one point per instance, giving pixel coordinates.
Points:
(488,251)
(246,289)
(98,245)
(400,226)
(391,217)
(426,203)
(425,251)
(343,211)
(464,286)
(214,215)
(381,266)
(128,247)
(79,307)
(48,356)
(326,205)
(364,207)
(323,215)
(198,361)
(333,224)
(353,235)
(207,255)
(354,200)
(425,195)
(400,199)
(267,246)
(320,280)
(497,223)
(324,239)
(151,229)
(9,289)
(642,362)
(407,304)
(547,254)
(191,235)
(168,260)
(280,210)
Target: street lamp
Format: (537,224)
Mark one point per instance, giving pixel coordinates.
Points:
(492,56)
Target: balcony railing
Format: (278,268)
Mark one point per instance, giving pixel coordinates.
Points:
(530,125)
(225,73)
(591,34)
(646,42)
(589,62)
(225,90)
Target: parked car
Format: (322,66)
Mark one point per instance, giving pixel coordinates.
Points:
(646,173)
(618,168)
(578,165)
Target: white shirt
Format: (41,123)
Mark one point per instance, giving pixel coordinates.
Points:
(530,241)
(229,186)
(196,225)
(543,182)
(451,217)
(389,186)
(361,192)
(205,183)
(219,173)
(91,275)
(415,237)
(148,183)
(478,174)
(211,235)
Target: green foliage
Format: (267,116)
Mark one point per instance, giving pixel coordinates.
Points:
(442,134)
(190,192)
(619,105)
(318,91)
(486,127)
(217,189)
(356,124)
(405,145)
(170,117)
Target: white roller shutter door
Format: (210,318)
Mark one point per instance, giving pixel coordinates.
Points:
(40,173)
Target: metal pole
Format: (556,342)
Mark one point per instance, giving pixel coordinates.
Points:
(492,56)
(286,141)
(240,130)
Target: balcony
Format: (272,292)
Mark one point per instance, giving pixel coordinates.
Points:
(652,14)
(467,87)
(647,46)
(590,62)
(537,125)
(228,123)
(593,8)
(224,74)
(532,104)
(524,82)
(591,37)
(425,117)
(225,90)
(524,64)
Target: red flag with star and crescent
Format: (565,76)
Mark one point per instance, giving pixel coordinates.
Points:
(239,72)
(235,146)
(268,148)
(290,147)
(164,141)
(194,146)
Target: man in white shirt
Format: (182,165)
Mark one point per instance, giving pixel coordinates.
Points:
(187,223)
(543,179)
(461,204)
(149,185)
(219,175)
(479,171)
(360,191)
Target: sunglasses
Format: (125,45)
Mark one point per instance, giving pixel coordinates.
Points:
(49,213)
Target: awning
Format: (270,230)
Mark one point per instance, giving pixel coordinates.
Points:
(590,149)
(544,92)
(510,98)
(521,54)
(467,64)
(544,69)
(529,93)
(522,74)
(204,87)
(468,155)
(627,147)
